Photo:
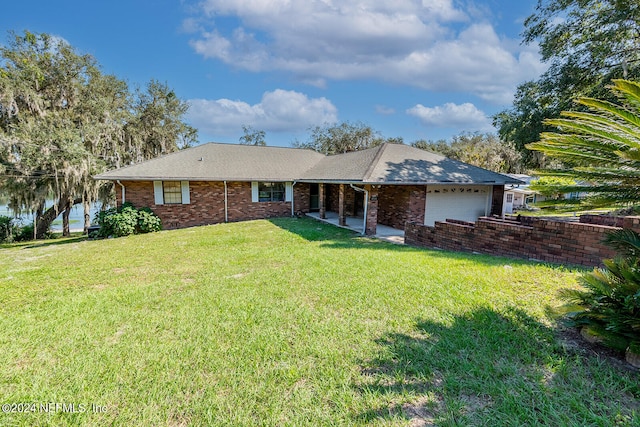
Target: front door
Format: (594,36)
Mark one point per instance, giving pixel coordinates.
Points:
(315,197)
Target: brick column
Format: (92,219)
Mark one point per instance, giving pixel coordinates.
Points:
(631,223)
(321,197)
(371,223)
(342,218)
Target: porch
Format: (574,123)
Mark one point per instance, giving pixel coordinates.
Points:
(355,223)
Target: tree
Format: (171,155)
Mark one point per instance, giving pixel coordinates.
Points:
(252,136)
(156,127)
(599,148)
(549,186)
(587,43)
(63,121)
(482,150)
(343,138)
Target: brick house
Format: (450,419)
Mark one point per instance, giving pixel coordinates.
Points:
(390,184)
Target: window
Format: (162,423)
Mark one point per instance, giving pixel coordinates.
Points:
(271,191)
(172,192)
(509,198)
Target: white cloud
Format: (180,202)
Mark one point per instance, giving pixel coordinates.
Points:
(465,116)
(278,111)
(385,111)
(431,44)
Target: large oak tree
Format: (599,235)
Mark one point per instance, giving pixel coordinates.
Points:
(62,121)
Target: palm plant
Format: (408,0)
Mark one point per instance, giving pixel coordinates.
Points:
(609,306)
(598,148)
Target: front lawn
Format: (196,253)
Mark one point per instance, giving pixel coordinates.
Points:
(291,322)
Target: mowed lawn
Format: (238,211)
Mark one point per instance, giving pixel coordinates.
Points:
(291,322)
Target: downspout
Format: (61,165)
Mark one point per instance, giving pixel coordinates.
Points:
(366,206)
(226,203)
(292,199)
(123,192)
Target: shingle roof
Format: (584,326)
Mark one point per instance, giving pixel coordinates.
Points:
(397,163)
(351,166)
(219,162)
(384,164)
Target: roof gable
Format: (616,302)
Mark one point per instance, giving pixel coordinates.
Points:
(399,163)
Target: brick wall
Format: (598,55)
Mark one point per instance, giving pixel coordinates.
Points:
(612,221)
(207,203)
(497,199)
(534,238)
(351,206)
(399,204)
(332,196)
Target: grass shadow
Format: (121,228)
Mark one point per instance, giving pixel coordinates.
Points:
(55,241)
(313,230)
(494,368)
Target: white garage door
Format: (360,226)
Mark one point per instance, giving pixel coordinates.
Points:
(462,202)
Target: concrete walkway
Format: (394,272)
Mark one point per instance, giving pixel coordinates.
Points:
(383,232)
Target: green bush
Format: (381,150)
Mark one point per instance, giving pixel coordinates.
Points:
(25,233)
(12,232)
(609,306)
(148,222)
(126,220)
(8,229)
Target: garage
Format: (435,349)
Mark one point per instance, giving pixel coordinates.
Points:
(461,202)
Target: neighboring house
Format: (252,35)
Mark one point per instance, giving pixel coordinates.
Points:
(517,196)
(389,184)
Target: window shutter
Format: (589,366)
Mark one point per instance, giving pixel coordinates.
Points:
(254,192)
(157,193)
(288,192)
(186,198)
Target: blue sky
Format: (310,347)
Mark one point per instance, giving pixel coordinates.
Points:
(416,69)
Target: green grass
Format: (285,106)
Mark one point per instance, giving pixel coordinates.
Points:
(567,212)
(71,221)
(292,323)
(562,209)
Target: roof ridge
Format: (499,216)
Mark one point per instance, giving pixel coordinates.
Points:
(375,161)
(179,150)
(233,144)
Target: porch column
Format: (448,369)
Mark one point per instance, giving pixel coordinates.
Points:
(342,218)
(323,208)
(371,223)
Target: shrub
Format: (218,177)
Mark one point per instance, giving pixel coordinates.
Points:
(148,222)
(25,233)
(8,229)
(126,220)
(12,232)
(609,307)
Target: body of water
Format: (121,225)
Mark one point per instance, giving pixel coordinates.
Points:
(76,217)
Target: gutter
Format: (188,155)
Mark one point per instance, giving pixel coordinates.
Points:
(123,190)
(366,206)
(226,203)
(292,198)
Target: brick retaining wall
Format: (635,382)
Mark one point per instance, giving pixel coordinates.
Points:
(531,238)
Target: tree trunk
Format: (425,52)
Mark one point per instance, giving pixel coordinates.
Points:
(87,215)
(65,221)
(43,222)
